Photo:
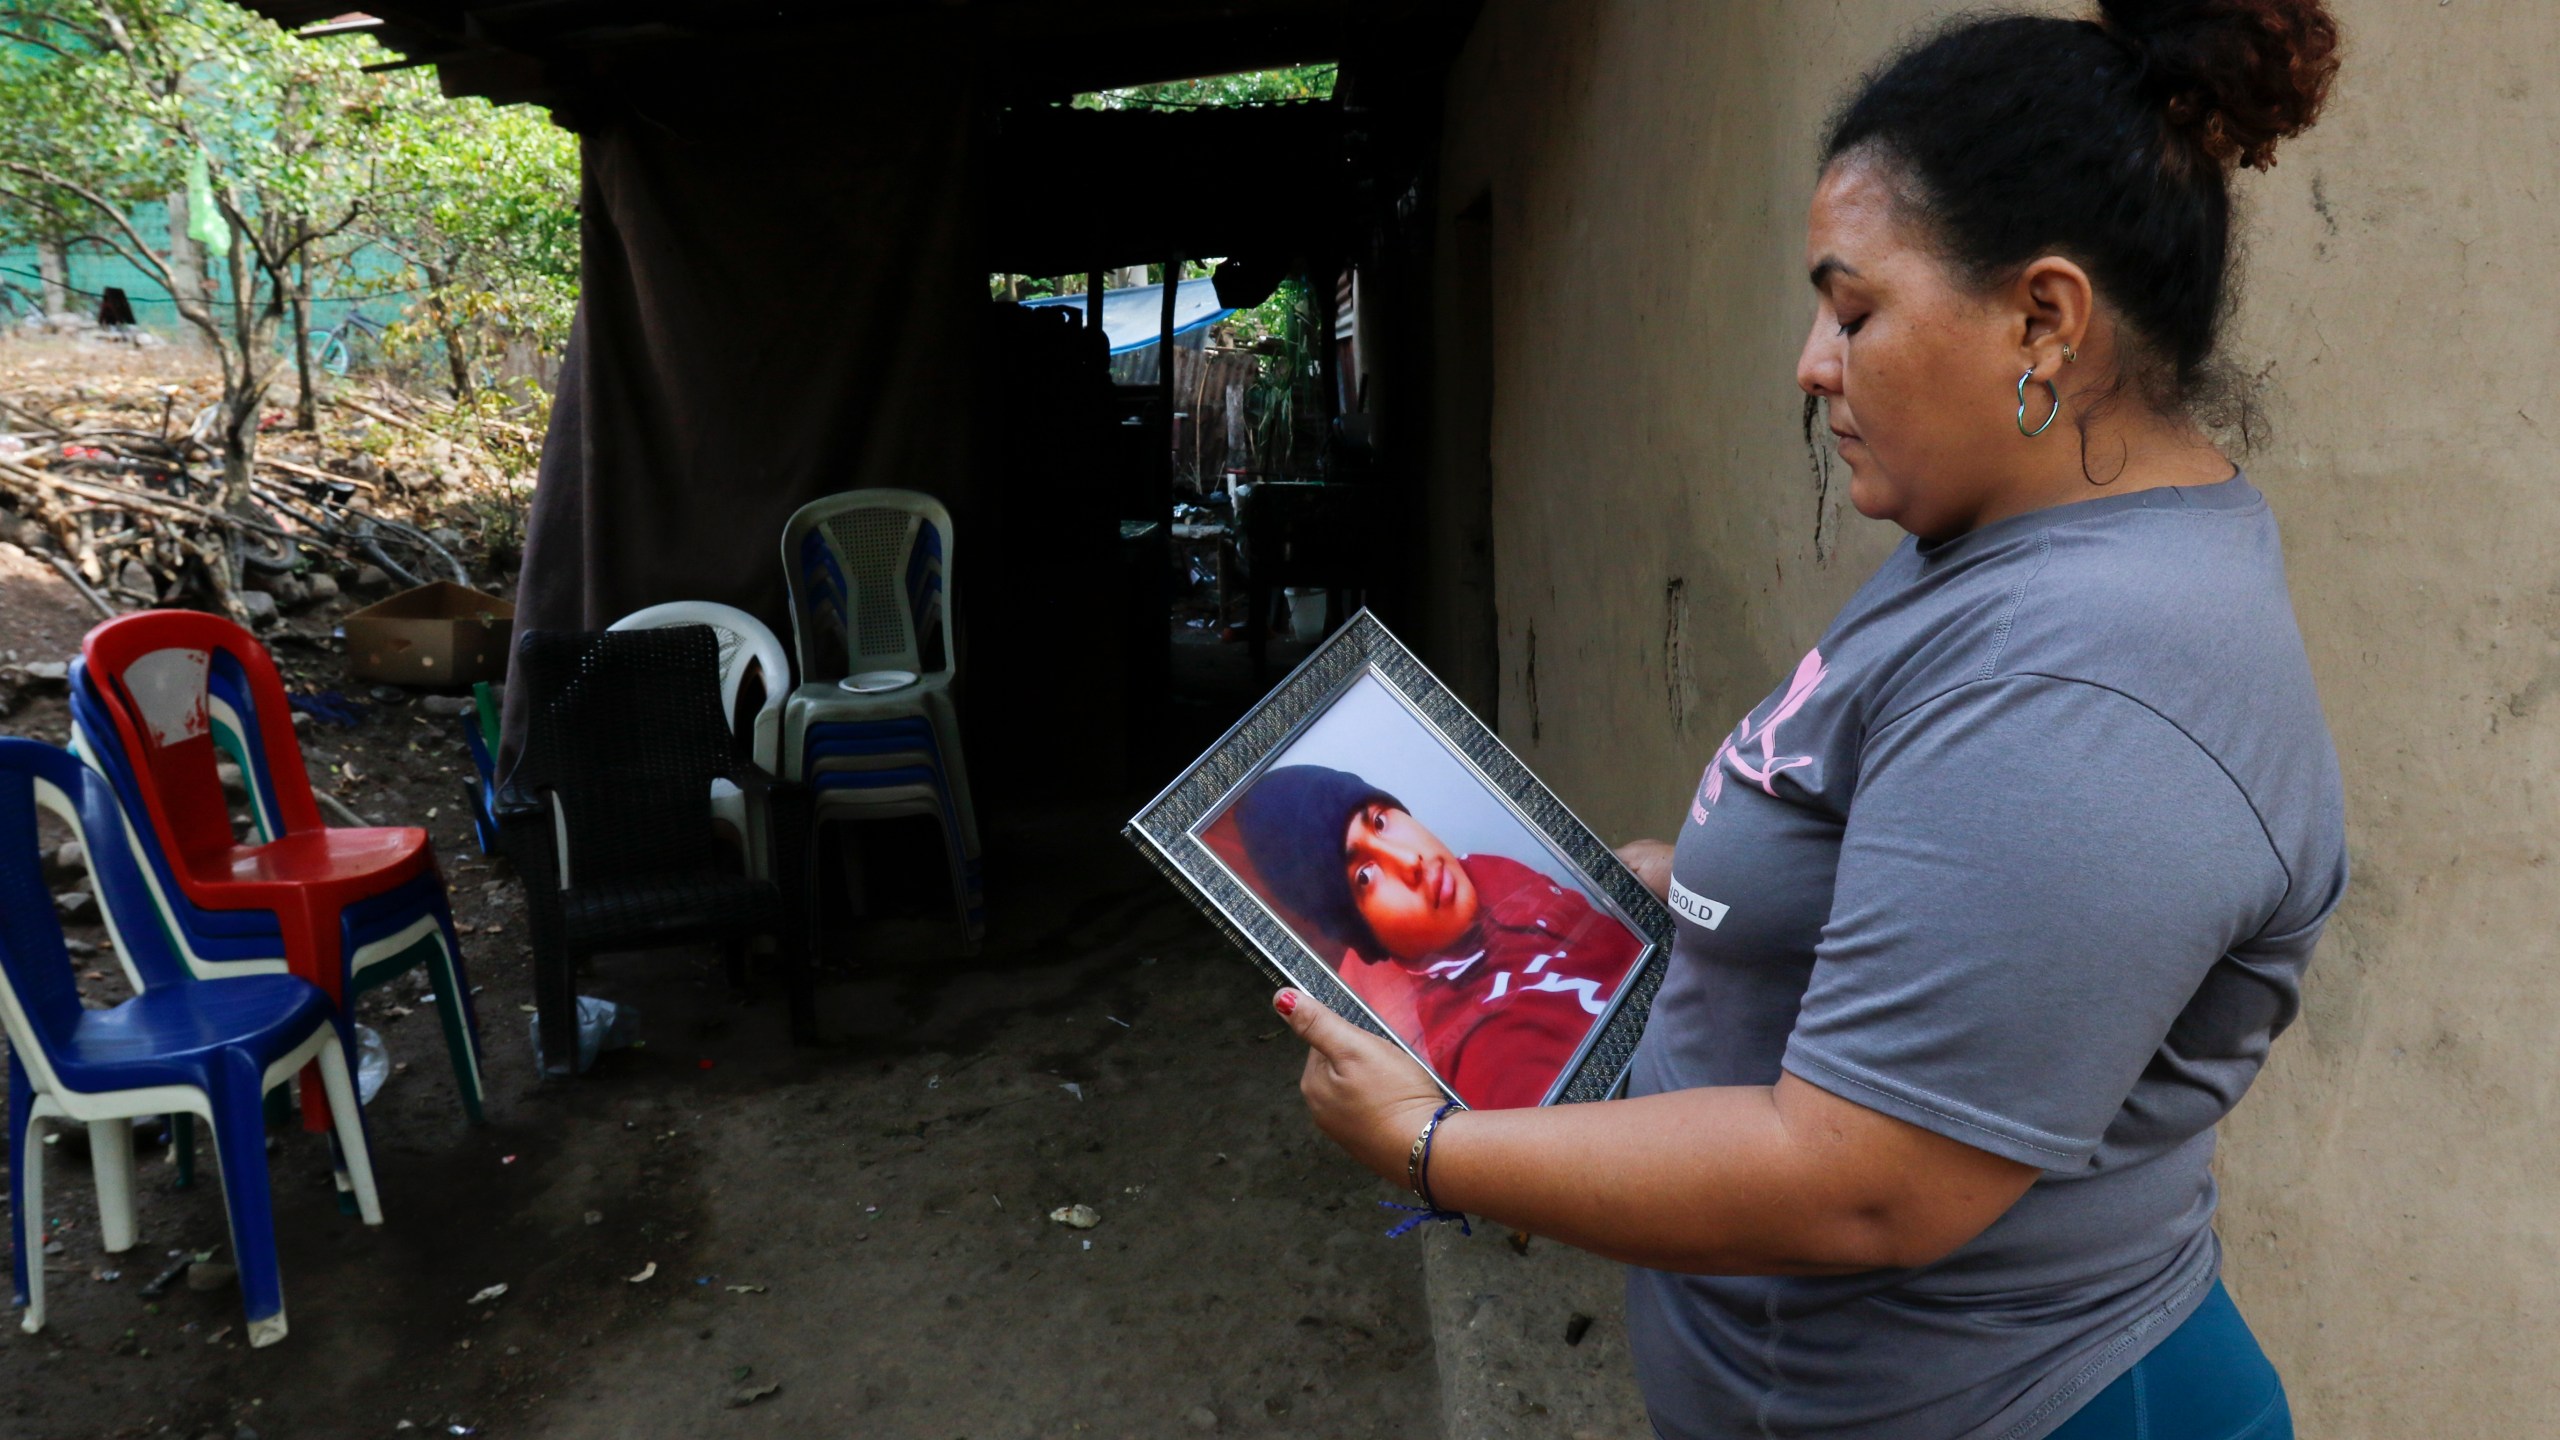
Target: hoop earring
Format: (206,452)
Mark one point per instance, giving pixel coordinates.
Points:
(2022,405)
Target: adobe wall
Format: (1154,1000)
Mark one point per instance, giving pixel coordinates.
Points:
(1666,543)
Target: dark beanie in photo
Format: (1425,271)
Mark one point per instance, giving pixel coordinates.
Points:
(1292,822)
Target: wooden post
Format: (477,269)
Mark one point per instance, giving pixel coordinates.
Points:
(1093,302)
(53,264)
(1164,379)
(1329,355)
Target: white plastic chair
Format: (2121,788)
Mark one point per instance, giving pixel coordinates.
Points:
(870,572)
(744,641)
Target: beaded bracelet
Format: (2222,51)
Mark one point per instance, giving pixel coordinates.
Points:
(1416,1177)
(1417,1172)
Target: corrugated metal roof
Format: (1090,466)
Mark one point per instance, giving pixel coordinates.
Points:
(1133,316)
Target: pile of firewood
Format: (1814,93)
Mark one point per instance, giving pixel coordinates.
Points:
(118,487)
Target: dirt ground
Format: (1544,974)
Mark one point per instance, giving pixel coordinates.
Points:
(848,1239)
(887,1195)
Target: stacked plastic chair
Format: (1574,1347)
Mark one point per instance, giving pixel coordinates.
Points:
(208,1048)
(344,908)
(480,793)
(607,815)
(744,644)
(870,573)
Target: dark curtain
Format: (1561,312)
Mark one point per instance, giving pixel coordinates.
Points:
(781,294)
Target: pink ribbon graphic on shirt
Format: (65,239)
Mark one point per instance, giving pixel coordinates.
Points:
(1810,672)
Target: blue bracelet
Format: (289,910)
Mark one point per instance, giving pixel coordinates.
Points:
(1418,1171)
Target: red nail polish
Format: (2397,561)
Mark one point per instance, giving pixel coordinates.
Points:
(1286,1002)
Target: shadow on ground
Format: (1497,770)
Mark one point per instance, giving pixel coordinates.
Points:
(863,1225)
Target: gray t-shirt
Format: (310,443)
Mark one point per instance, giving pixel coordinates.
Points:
(2030,851)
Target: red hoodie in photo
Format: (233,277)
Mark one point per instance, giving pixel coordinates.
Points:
(1503,1011)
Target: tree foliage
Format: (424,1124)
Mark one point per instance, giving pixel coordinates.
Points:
(105,104)
(319,166)
(1249,87)
(480,201)
(313,168)
(112,102)
(1286,394)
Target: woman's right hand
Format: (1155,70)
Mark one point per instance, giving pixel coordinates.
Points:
(1651,860)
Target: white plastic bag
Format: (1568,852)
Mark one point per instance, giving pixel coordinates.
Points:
(373,1064)
(602,1025)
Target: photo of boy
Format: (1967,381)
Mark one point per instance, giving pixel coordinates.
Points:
(1489,969)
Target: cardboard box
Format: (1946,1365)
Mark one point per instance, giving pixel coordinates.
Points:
(442,635)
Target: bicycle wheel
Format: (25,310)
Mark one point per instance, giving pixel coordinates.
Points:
(260,548)
(329,352)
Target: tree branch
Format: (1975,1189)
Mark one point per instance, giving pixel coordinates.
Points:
(118,36)
(34,202)
(309,236)
(142,255)
(138,253)
(19,37)
(27,25)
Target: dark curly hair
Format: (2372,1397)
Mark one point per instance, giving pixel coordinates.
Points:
(2110,141)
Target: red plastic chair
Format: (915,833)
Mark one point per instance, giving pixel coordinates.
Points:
(151,668)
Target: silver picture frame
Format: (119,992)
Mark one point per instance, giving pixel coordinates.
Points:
(1168,831)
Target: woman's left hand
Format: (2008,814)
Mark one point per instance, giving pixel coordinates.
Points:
(1364,1092)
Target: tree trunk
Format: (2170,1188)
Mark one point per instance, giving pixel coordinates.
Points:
(239,441)
(306,411)
(456,359)
(185,256)
(244,387)
(246,370)
(53,263)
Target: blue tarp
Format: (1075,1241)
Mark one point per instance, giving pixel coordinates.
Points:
(1133,318)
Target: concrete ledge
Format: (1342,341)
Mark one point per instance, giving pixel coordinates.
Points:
(1500,1318)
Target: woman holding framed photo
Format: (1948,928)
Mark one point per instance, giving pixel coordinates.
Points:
(1991,911)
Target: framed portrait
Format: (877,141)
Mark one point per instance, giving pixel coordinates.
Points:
(1365,838)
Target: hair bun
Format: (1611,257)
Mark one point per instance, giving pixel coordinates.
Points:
(2239,75)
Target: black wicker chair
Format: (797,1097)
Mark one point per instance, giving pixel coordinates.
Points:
(607,818)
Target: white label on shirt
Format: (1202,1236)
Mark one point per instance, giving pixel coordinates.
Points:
(1694,906)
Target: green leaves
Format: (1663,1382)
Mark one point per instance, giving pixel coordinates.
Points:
(295,162)
(1250,87)
(481,201)
(108,103)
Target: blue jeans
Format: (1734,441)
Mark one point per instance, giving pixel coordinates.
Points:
(2207,1381)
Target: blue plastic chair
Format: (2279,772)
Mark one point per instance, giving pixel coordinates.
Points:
(209,1048)
(379,937)
(209,942)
